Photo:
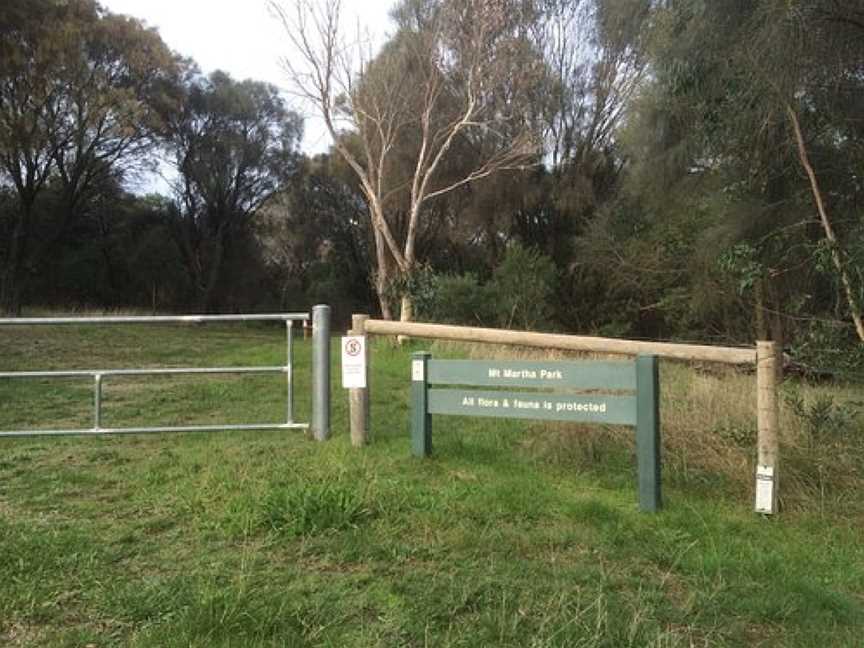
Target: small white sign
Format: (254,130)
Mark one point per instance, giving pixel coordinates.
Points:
(417,374)
(354,362)
(765,489)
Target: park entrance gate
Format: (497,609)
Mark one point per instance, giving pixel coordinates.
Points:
(320,423)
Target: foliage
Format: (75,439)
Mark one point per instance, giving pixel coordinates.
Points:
(735,84)
(827,456)
(234,146)
(524,285)
(461,299)
(315,241)
(80,96)
(828,347)
(440,107)
(824,420)
(421,285)
(669,195)
(741,262)
(519,294)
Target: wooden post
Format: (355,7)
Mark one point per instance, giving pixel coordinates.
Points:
(358,399)
(767,415)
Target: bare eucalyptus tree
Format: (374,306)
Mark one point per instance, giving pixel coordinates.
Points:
(459,75)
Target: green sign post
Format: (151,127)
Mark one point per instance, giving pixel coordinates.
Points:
(614,393)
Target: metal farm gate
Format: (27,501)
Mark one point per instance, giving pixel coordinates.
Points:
(320,372)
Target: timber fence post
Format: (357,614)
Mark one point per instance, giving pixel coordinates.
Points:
(767,408)
(358,399)
(321,372)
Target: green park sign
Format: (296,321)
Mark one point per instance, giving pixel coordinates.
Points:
(610,393)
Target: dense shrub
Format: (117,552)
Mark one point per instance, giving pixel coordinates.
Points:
(523,287)
(830,347)
(519,294)
(461,299)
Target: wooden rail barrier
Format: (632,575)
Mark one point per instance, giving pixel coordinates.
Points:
(726,355)
(766,362)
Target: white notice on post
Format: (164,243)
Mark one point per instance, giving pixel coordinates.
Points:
(354,362)
(417,372)
(765,489)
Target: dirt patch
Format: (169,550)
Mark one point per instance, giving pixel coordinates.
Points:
(19,634)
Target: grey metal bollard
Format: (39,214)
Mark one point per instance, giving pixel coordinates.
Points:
(321,372)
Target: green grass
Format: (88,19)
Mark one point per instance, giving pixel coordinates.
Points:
(510,535)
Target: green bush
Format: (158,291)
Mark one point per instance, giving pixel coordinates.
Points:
(830,347)
(524,286)
(461,299)
(519,295)
(421,284)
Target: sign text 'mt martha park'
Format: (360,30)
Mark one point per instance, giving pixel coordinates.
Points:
(613,393)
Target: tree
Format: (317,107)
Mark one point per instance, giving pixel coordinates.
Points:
(595,55)
(829,63)
(315,240)
(758,103)
(121,87)
(234,145)
(77,86)
(457,77)
(29,122)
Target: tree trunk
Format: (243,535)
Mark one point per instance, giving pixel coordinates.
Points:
(10,287)
(213,256)
(761,327)
(836,255)
(382,276)
(775,314)
(406,313)
(381,283)
(10,294)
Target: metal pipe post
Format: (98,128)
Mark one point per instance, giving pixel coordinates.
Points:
(97,402)
(321,372)
(289,372)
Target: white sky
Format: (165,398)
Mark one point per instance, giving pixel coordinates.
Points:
(243,39)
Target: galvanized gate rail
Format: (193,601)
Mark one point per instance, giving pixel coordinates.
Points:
(320,317)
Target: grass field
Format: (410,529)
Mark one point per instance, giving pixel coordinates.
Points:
(513,534)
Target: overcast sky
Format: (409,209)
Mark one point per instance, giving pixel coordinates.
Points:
(242,38)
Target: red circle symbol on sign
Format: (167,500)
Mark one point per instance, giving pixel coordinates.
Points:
(353,347)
